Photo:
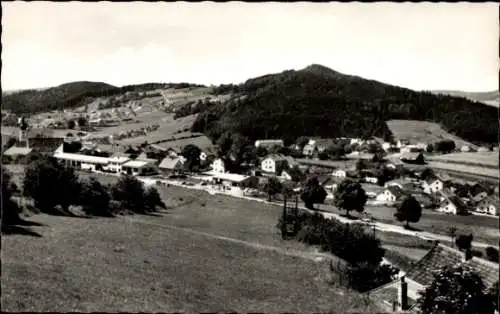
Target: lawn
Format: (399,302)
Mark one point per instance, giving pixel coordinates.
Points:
(486,159)
(205,253)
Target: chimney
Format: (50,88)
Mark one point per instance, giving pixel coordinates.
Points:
(403,294)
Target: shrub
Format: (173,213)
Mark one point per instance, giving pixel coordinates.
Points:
(130,193)
(10,209)
(95,199)
(153,199)
(364,277)
(492,254)
(50,184)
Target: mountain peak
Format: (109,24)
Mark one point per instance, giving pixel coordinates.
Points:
(320,69)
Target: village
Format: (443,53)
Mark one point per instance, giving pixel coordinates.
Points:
(388,172)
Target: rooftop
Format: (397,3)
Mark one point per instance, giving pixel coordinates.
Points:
(396,191)
(82,158)
(232,177)
(170,163)
(440,256)
(14,150)
(136,163)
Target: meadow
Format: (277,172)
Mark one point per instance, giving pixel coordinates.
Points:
(203,253)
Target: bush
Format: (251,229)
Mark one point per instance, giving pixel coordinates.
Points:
(130,193)
(153,199)
(95,199)
(10,209)
(50,184)
(492,254)
(364,277)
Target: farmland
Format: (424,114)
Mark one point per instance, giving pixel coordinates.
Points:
(422,131)
(204,253)
(480,159)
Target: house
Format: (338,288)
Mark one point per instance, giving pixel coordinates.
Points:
(412,158)
(411,149)
(218,166)
(79,161)
(445,193)
(230,182)
(402,293)
(285,176)
(269,143)
(386,146)
(488,205)
(401,183)
(310,148)
(172,165)
(115,164)
(465,148)
(402,143)
(391,166)
(339,173)
(432,185)
(391,194)
(478,192)
(452,205)
(373,180)
(203,156)
(482,149)
(171,152)
(274,164)
(138,168)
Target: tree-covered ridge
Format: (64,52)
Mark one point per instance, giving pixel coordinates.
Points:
(73,94)
(317,101)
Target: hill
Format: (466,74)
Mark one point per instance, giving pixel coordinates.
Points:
(490,98)
(318,101)
(71,95)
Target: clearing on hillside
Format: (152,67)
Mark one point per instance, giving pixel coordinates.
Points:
(422,131)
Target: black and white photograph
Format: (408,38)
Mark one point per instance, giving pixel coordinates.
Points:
(238,157)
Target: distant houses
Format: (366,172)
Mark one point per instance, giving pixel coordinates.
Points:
(339,173)
(453,205)
(274,164)
(432,185)
(488,205)
(218,166)
(139,168)
(391,194)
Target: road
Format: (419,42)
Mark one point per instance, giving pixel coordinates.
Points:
(374,224)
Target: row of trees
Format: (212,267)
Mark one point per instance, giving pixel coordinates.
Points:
(54,188)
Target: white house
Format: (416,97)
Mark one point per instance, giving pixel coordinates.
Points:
(115,163)
(309,148)
(373,180)
(402,143)
(356,141)
(339,173)
(83,162)
(391,166)
(452,205)
(465,148)
(386,146)
(272,163)
(203,156)
(269,143)
(138,168)
(487,206)
(391,194)
(432,185)
(285,176)
(218,166)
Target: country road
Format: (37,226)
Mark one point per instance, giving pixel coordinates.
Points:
(377,225)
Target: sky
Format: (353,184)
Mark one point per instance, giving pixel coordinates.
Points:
(425,46)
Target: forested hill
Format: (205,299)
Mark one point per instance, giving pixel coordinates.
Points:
(317,101)
(72,95)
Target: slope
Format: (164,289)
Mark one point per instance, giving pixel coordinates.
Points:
(490,98)
(317,101)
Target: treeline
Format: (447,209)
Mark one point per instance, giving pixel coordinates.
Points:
(192,107)
(315,102)
(73,95)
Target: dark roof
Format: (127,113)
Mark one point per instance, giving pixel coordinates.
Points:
(457,201)
(396,191)
(440,256)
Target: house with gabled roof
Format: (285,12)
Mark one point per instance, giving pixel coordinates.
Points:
(274,164)
(171,165)
(269,143)
(413,158)
(488,205)
(452,205)
(432,185)
(401,295)
(392,193)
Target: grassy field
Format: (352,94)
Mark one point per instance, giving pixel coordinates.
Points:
(486,159)
(422,131)
(481,171)
(204,253)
